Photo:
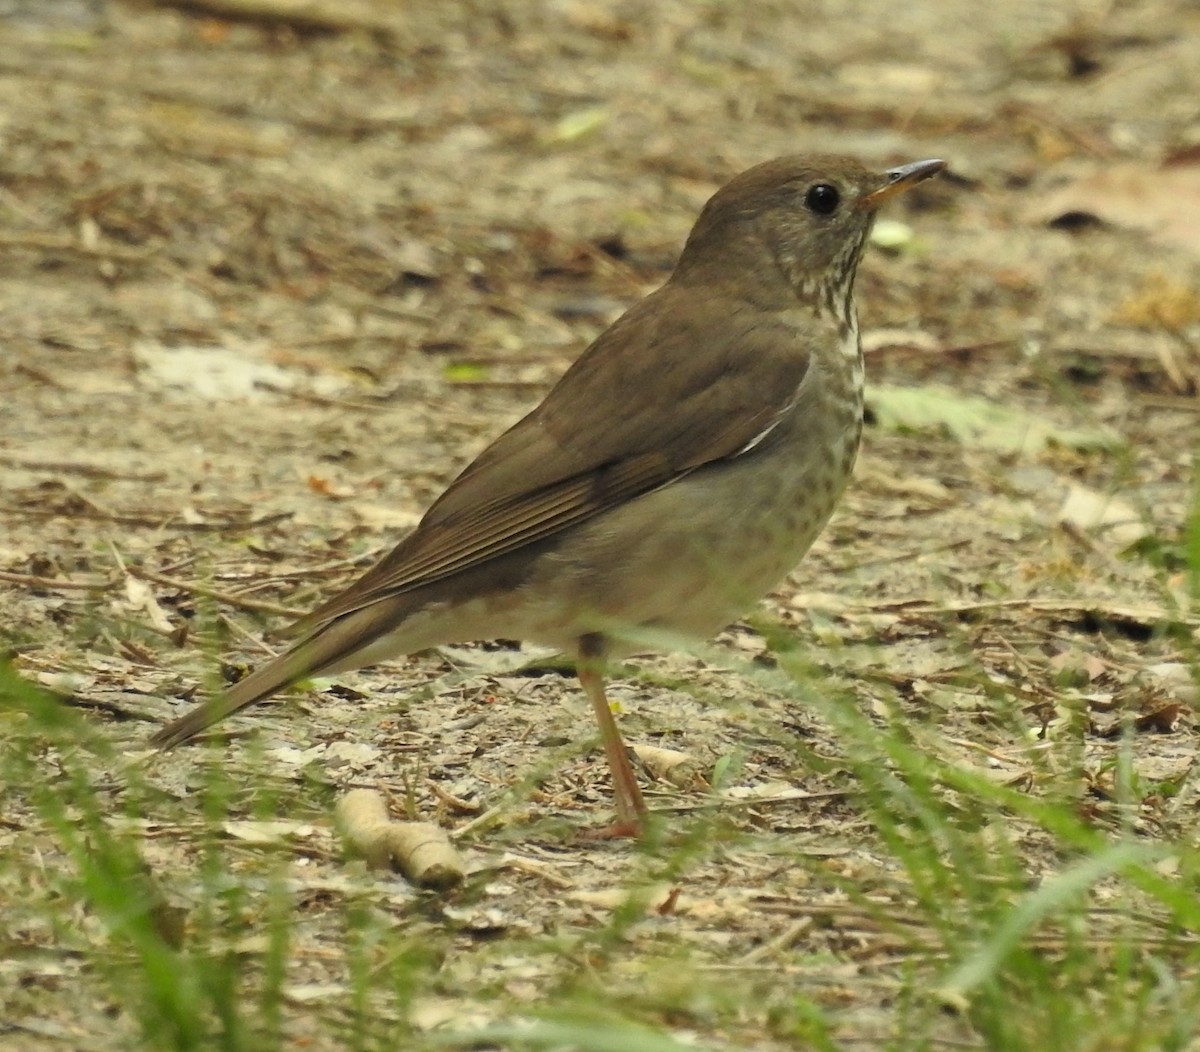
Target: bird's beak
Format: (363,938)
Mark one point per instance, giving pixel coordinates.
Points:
(901,179)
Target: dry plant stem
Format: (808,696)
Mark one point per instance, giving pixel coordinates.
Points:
(249,637)
(211,593)
(1180,404)
(481,820)
(58,243)
(631,808)
(313,398)
(1145,614)
(68,467)
(327,569)
(33,581)
(311,15)
(454,803)
(782,942)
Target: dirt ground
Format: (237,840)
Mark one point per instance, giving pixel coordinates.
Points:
(267,285)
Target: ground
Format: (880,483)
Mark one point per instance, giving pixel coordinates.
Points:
(271,274)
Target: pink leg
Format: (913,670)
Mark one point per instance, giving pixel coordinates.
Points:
(631,808)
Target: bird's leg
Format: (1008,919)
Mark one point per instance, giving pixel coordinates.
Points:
(631,809)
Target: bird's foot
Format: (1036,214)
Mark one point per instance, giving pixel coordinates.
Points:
(622,829)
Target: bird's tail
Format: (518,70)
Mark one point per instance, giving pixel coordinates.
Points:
(332,647)
(276,674)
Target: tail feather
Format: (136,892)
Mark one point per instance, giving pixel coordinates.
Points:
(261,683)
(332,646)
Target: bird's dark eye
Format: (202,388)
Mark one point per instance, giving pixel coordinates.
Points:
(822,199)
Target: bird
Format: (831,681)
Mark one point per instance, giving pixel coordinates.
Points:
(678,470)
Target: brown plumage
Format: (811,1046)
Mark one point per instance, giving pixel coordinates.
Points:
(720,414)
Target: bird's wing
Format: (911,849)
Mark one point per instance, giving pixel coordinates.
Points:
(662,392)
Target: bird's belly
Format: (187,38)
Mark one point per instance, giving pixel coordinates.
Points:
(691,557)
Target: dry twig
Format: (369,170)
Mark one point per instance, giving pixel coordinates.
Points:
(195,588)
(327,16)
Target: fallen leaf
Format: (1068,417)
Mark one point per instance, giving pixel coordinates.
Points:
(222,374)
(650,898)
(1161,303)
(978,422)
(312,993)
(293,757)
(139,597)
(1162,202)
(1176,679)
(1109,516)
(356,753)
(892,235)
(1163,719)
(325,488)
(277,831)
(578,124)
